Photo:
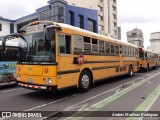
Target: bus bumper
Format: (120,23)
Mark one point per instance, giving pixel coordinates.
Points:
(37,86)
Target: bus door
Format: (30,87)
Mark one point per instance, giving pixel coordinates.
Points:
(65,61)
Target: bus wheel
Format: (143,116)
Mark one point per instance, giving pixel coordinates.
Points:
(84,81)
(130,71)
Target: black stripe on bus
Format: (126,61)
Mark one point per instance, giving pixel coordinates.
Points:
(68,72)
(106,61)
(105,67)
(130,61)
(96,54)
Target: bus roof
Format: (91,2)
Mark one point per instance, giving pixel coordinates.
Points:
(63,25)
(94,34)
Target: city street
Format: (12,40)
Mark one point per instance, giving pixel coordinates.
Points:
(139,93)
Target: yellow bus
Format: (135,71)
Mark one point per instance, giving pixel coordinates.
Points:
(56,55)
(148,59)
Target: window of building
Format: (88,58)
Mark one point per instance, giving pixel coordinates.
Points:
(71,18)
(64,44)
(114,1)
(91,25)
(115,24)
(60,11)
(100,28)
(77,43)
(61,20)
(100,18)
(134,35)
(115,32)
(114,8)
(94,45)
(0,27)
(108,50)
(101,46)
(81,21)
(87,44)
(100,8)
(11,28)
(114,16)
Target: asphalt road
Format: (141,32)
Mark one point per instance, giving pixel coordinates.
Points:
(110,97)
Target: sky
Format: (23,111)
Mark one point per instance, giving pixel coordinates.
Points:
(142,14)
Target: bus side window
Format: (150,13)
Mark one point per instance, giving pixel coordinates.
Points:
(78,43)
(94,45)
(87,44)
(117,49)
(120,49)
(112,48)
(127,51)
(108,50)
(124,50)
(64,44)
(101,46)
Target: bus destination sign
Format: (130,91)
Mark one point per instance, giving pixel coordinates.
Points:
(35,28)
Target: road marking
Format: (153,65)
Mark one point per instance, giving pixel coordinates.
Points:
(111,90)
(86,99)
(147,103)
(10,90)
(110,99)
(46,104)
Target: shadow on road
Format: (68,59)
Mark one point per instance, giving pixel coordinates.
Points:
(5,86)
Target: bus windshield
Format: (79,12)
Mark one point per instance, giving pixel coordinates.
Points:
(37,47)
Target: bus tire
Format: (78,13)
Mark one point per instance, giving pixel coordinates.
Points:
(84,81)
(130,71)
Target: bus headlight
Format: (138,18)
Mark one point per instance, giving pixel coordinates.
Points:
(45,80)
(49,80)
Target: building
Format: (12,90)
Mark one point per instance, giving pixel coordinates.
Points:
(155,41)
(135,37)
(6,26)
(107,14)
(119,33)
(57,11)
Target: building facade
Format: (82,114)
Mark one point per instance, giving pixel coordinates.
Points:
(135,37)
(107,14)
(58,11)
(6,26)
(155,41)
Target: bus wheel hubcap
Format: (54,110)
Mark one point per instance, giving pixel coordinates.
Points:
(85,81)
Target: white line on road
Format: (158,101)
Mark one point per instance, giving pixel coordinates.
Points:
(111,90)
(10,90)
(80,93)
